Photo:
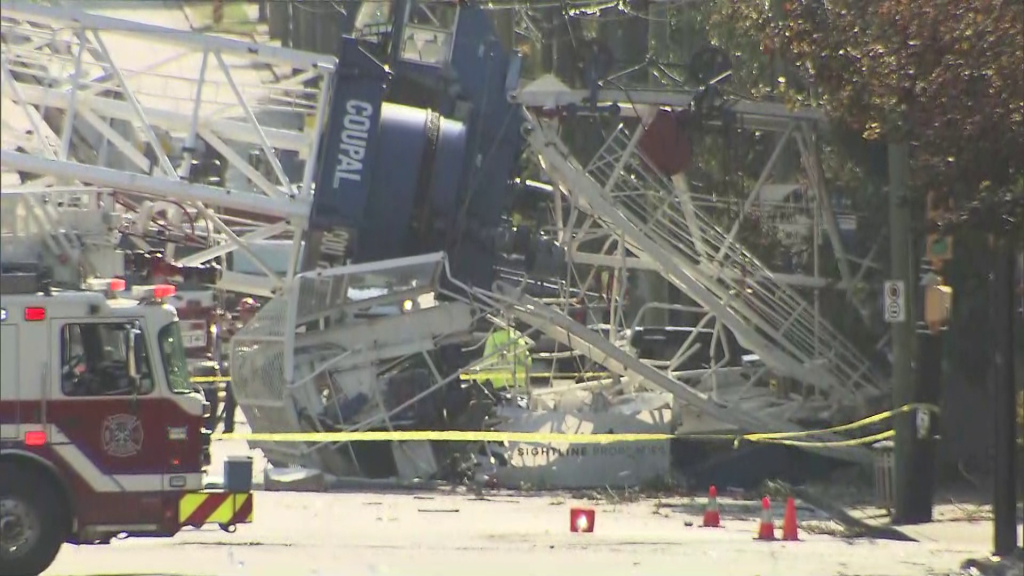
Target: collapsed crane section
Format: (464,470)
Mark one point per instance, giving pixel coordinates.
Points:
(337,348)
(627,365)
(623,192)
(347,348)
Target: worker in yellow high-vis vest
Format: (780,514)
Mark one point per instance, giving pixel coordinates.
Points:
(507,351)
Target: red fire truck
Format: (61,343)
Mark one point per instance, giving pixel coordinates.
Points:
(194,301)
(102,430)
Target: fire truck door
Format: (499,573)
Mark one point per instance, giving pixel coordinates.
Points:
(10,382)
(110,421)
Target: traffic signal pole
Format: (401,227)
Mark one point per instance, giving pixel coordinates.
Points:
(923,453)
(937,301)
(914,451)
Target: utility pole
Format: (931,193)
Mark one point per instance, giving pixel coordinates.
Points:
(1004,489)
(928,382)
(903,333)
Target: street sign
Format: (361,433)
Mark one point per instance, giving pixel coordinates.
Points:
(894,308)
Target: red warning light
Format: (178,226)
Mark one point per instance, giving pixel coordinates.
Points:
(581,519)
(162,291)
(117,284)
(35,438)
(35,314)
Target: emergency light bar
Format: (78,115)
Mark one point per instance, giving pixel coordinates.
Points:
(157,292)
(105,284)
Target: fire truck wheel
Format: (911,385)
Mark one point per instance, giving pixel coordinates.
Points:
(32,521)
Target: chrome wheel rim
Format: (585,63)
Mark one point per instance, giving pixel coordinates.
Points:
(20,528)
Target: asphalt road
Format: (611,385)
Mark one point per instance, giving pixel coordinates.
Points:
(374,534)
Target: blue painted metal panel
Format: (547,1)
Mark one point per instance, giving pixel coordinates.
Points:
(385,225)
(349,145)
(485,69)
(449,167)
(384,229)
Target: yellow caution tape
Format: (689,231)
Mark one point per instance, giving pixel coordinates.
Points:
(853,425)
(784,437)
(485,374)
(447,436)
(482,375)
(522,437)
(560,438)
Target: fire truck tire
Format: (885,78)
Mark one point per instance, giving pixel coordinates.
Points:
(29,501)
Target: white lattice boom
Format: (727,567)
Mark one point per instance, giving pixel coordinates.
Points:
(660,225)
(103,101)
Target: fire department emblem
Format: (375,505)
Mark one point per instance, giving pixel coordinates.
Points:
(122,435)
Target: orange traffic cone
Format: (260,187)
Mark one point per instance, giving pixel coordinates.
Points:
(766,529)
(789,530)
(712,519)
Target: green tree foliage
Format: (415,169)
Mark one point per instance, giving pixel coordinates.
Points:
(948,75)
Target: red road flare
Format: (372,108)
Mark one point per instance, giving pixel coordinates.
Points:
(243,510)
(208,507)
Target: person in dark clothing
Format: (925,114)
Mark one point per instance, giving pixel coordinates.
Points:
(245,312)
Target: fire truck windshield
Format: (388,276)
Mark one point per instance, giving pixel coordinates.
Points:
(172,352)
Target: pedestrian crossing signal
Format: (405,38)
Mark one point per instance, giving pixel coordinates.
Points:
(939,247)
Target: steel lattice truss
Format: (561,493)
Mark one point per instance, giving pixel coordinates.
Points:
(93,79)
(655,223)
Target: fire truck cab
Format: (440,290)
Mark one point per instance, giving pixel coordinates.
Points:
(102,430)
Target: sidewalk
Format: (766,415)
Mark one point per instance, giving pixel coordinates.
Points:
(963,527)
